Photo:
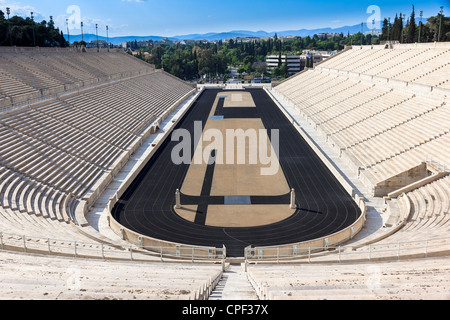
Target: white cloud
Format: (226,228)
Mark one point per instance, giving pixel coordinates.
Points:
(73,17)
(20,10)
(88,24)
(73,13)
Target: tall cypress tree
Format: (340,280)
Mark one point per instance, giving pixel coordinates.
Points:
(397,28)
(412,27)
(384,30)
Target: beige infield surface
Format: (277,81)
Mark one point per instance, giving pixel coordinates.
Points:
(246,215)
(231,178)
(237,99)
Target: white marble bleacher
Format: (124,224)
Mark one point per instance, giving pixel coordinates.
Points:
(310,91)
(389,133)
(134,111)
(310,80)
(346,60)
(71,140)
(365,106)
(94,126)
(68,65)
(424,279)
(56,151)
(369,61)
(425,231)
(11,86)
(26,73)
(54,278)
(406,63)
(383,60)
(59,170)
(429,215)
(399,59)
(30,75)
(335,89)
(437,148)
(402,138)
(86,124)
(290,86)
(28,211)
(423,63)
(436,78)
(383,121)
(41,215)
(46,65)
(358,107)
(345,98)
(358,117)
(104,64)
(142,104)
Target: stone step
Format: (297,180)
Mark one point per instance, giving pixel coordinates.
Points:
(234,285)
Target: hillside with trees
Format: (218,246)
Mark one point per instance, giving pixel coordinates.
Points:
(21,32)
(409,29)
(211,60)
(192,61)
(206,59)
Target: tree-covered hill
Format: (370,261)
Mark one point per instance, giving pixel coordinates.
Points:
(18,31)
(199,59)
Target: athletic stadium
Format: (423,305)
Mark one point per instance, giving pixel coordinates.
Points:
(356,204)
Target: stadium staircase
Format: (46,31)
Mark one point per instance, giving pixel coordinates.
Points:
(234,285)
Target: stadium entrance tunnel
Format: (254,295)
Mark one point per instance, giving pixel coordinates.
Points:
(232,205)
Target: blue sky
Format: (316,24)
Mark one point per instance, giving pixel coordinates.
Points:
(179,17)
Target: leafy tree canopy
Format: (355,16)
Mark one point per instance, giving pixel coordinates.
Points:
(27,32)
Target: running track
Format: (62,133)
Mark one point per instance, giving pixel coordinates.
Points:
(324,206)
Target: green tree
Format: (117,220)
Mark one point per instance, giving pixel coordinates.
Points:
(397,28)
(46,35)
(281,71)
(412,28)
(192,60)
(156,57)
(385,30)
(260,67)
(205,62)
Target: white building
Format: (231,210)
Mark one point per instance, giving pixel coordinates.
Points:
(317,56)
(328,35)
(293,63)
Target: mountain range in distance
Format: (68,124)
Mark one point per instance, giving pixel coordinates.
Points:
(225,35)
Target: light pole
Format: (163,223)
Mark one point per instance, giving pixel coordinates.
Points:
(51,31)
(107,37)
(68,33)
(403,28)
(420,24)
(8,11)
(389,29)
(82,34)
(34,37)
(373,29)
(96,32)
(440,23)
(362,30)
